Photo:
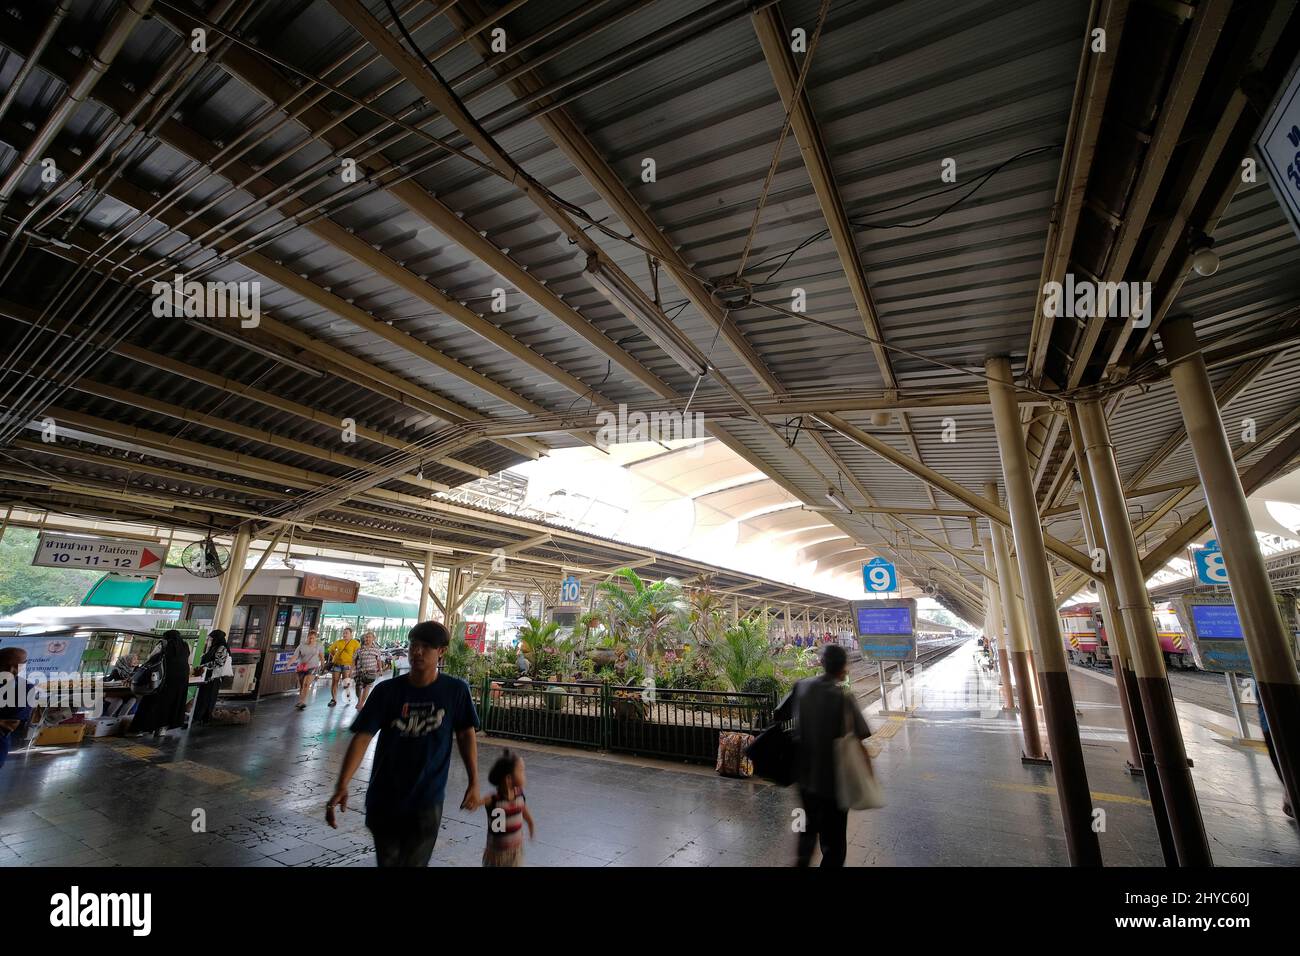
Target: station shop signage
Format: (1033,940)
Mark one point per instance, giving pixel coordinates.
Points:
(1217,639)
(329,589)
(84,553)
(885,629)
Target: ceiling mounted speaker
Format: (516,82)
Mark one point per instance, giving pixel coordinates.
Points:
(881,419)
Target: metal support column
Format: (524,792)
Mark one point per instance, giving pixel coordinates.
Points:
(1168,754)
(993,625)
(1031,554)
(450,602)
(1018,604)
(426,583)
(1141,755)
(1121,658)
(1017,641)
(231,582)
(1267,639)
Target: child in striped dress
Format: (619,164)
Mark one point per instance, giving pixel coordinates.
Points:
(507,813)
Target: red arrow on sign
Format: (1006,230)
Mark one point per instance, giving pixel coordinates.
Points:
(148,558)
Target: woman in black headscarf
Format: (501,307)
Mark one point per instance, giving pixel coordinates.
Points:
(213,664)
(164,709)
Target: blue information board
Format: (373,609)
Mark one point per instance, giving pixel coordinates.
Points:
(886,629)
(884,620)
(1217,622)
(1218,641)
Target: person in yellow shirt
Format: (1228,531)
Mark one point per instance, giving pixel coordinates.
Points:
(342,652)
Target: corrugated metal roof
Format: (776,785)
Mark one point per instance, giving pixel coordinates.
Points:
(896,89)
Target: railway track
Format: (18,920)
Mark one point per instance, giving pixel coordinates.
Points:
(864,679)
(1204,688)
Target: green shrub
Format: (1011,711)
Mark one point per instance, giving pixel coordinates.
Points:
(763,684)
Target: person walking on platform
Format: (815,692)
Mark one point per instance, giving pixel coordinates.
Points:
(13,718)
(342,652)
(369,662)
(507,811)
(416,716)
(164,709)
(818,707)
(216,665)
(307,660)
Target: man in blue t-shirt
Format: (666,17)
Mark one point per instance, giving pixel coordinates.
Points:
(415,716)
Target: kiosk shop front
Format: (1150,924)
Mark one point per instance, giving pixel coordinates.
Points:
(274,615)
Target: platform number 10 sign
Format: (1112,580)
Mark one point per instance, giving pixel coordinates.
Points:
(1210,568)
(570,590)
(879,576)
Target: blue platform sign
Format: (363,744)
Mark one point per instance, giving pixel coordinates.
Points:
(570,590)
(879,576)
(1210,568)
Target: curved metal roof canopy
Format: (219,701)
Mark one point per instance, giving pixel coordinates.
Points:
(537,235)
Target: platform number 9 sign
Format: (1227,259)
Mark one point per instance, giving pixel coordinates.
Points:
(879,577)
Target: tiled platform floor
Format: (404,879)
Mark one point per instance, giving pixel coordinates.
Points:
(958,794)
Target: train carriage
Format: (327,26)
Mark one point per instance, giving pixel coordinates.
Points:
(1084,634)
(1081,631)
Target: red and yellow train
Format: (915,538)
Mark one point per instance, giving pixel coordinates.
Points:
(1084,634)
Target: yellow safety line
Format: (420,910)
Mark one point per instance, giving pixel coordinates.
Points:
(1039,788)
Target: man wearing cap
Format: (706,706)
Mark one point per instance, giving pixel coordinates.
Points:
(415,716)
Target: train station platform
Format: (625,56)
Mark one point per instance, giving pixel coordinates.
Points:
(958,795)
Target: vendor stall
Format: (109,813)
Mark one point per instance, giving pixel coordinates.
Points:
(277,610)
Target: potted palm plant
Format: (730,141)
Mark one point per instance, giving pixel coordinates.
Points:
(646,615)
(537,640)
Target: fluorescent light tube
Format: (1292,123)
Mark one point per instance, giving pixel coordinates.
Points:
(642,312)
(834,498)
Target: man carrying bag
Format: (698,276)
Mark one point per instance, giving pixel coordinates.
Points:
(828,723)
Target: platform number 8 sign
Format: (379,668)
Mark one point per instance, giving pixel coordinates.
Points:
(1210,568)
(879,576)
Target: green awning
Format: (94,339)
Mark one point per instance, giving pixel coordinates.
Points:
(114,591)
(369,606)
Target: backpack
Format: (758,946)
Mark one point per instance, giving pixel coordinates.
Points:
(149,676)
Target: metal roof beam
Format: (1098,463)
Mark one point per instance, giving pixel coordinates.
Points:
(268,84)
(773,37)
(988,509)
